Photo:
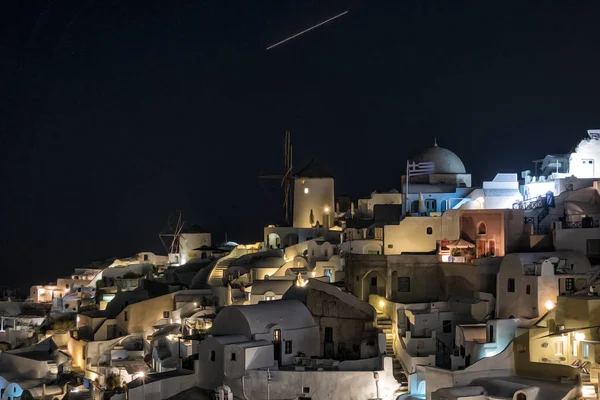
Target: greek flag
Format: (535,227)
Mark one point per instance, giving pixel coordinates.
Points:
(419,168)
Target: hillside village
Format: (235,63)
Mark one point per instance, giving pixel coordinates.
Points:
(437,290)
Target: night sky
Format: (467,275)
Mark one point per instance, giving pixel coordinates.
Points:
(114,114)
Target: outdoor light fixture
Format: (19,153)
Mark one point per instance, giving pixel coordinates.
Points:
(305,190)
(326,209)
(381,303)
(579,336)
(549,305)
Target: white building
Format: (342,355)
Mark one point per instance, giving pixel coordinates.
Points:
(279,330)
(192,238)
(529,283)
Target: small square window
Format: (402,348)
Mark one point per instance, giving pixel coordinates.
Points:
(288,347)
(166,314)
(528,289)
(404,284)
(390,246)
(511,285)
(447,326)
(429,230)
(305,390)
(233,356)
(125,316)
(570,284)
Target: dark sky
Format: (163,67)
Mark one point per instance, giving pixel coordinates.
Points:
(114,114)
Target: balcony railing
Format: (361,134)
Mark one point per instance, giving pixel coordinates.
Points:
(580,224)
(530,204)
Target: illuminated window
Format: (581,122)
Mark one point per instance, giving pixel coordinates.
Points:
(305,190)
(585,350)
(288,347)
(269,298)
(492,248)
(277,335)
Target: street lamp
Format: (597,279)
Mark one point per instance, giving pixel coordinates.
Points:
(142,375)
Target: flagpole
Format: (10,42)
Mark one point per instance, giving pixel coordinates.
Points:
(406,190)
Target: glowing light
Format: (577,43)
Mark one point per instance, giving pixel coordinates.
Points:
(491,353)
(588,391)
(305,190)
(195,304)
(549,305)
(326,209)
(313,274)
(579,336)
(140,374)
(381,303)
(78,320)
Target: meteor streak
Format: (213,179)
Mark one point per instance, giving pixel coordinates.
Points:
(306,30)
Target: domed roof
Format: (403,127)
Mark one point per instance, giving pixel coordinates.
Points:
(444,161)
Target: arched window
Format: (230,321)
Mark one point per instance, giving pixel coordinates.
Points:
(521,396)
(481,228)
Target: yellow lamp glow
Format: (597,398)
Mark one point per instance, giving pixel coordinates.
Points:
(326,209)
(549,305)
(579,336)
(381,303)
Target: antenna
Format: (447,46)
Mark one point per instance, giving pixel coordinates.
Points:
(307,30)
(287,177)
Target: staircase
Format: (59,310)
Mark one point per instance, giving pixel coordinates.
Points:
(215,278)
(384,323)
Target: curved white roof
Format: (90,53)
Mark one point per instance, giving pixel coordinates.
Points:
(258,318)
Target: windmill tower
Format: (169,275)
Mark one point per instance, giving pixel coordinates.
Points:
(287,177)
(171,237)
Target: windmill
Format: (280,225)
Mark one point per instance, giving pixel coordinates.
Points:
(172,233)
(287,177)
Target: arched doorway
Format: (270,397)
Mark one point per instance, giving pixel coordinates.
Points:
(273,241)
(373,283)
